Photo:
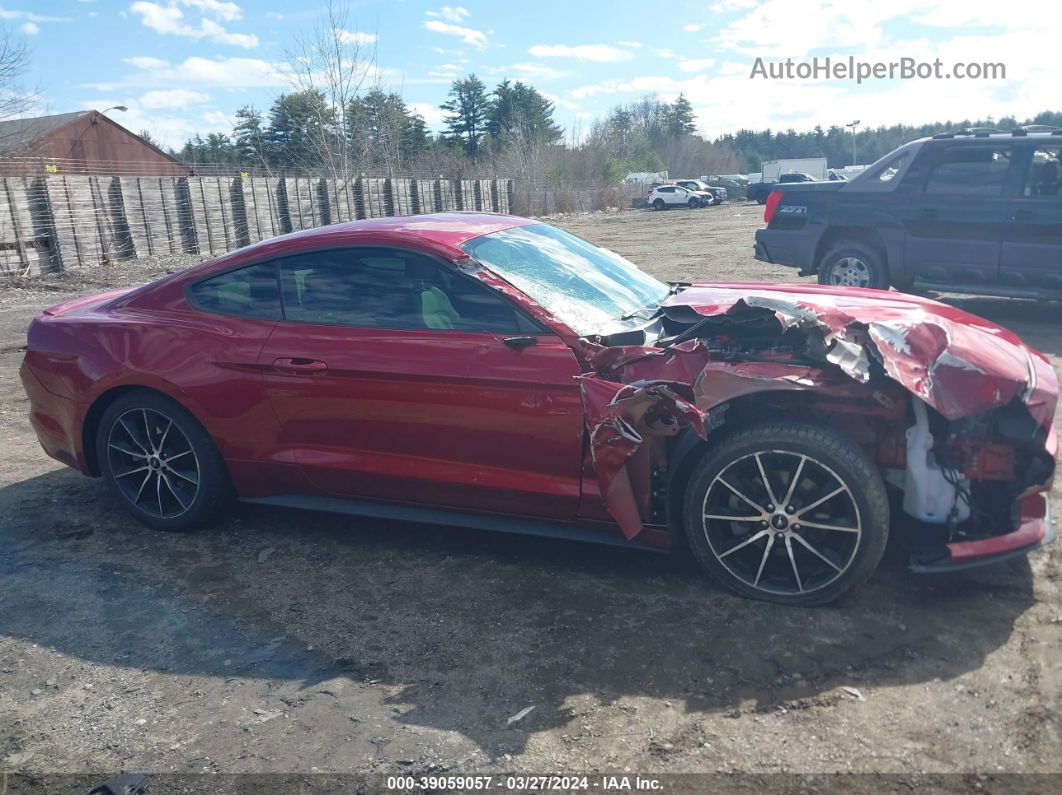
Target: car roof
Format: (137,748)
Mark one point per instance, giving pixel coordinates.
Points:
(449,229)
(1015,135)
(439,234)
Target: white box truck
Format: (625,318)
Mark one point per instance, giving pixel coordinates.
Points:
(815,166)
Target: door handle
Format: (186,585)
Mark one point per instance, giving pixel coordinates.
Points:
(1024,215)
(520,342)
(299,366)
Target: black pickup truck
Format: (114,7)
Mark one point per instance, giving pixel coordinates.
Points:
(973,213)
(759,191)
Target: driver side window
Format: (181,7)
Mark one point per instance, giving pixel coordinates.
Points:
(1044,178)
(392,289)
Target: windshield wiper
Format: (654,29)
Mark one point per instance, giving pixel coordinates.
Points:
(673,288)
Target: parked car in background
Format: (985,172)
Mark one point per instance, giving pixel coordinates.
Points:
(974,213)
(495,372)
(666,197)
(759,191)
(717,192)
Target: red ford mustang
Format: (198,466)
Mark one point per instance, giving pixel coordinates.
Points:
(495,372)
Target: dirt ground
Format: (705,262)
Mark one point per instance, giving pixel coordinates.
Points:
(283,641)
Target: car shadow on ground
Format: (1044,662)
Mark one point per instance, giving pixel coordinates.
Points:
(463,628)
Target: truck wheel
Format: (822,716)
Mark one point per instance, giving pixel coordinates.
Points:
(659,204)
(850,263)
(791,513)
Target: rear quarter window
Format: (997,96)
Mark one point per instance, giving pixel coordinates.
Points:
(245,292)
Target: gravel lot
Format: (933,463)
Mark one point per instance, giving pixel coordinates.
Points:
(284,641)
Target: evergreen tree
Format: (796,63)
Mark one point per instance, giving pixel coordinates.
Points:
(679,118)
(301,126)
(520,105)
(467,111)
(249,136)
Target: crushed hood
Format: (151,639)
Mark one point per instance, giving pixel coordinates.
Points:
(958,363)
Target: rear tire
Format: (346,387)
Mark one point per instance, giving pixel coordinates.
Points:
(658,204)
(160,463)
(851,263)
(781,545)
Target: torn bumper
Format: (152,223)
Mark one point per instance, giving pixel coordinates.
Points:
(1032,533)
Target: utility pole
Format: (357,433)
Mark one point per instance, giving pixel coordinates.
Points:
(853,126)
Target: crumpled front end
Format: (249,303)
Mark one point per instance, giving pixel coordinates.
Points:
(955,411)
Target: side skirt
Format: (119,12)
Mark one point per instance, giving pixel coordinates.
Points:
(440,516)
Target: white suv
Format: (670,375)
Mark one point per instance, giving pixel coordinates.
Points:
(663,197)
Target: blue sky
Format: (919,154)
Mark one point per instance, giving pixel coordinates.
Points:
(184,66)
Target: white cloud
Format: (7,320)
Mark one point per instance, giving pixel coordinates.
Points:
(433,115)
(30,28)
(147,62)
(561,102)
(693,28)
(475,38)
(356,37)
(172,98)
(584,52)
(696,64)
(225,11)
(528,70)
(29,16)
(274,15)
(450,13)
(169,19)
(204,73)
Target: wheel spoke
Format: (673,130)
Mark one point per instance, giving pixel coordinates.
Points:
(132,472)
(158,491)
(132,436)
(727,518)
(820,501)
(147,430)
(839,528)
(792,561)
(766,481)
(121,449)
(174,492)
(794,481)
(140,491)
(745,543)
(804,543)
(754,504)
(182,476)
(175,457)
(165,433)
(763,560)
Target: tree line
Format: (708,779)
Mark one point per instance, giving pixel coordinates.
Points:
(752,147)
(510,129)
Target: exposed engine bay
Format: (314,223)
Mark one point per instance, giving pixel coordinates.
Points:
(955,414)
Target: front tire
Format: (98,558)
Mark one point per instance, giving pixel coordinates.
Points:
(160,463)
(789,513)
(694,204)
(851,263)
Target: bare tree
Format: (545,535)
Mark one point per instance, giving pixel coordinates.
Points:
(333,60)
(15,98)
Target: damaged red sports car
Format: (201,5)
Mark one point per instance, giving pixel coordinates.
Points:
(495,372)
